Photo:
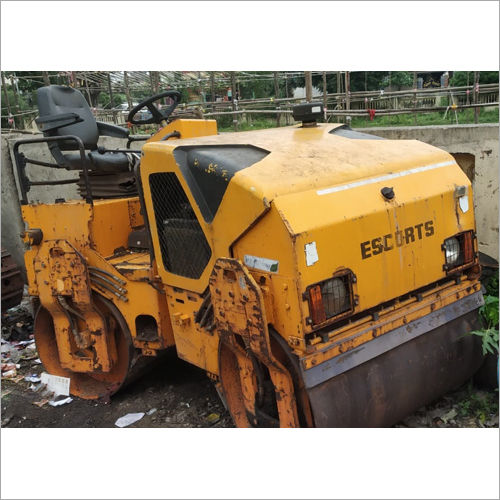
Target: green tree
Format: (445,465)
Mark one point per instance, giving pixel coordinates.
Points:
(459,78)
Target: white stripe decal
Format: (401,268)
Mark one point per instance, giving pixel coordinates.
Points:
(387,177)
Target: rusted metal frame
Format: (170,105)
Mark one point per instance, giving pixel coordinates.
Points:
(68,267)
(344,362)
(345,345)
(248,380)
(21,161)
(42,163)
(12,282)
(363,318)
(256,338)
(81,341)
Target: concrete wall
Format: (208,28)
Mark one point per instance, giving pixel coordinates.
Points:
(476,150)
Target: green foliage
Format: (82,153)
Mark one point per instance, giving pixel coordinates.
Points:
(263,87)
(398,79)
(184,95)
(459,78)
(489,312)
(492,285)
(489,334)
(489,340)
(478,404)
(104,101)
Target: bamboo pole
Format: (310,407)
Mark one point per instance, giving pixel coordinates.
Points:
(212,89)
(151,82)
(110,89)
(360,112)
(233,94)
(308,78)
(359,96)
(88,90)
(6,96)
(277,96)
(324,91)
(127,90)
(476,96)
(415,96)
(348,96)
(16,102)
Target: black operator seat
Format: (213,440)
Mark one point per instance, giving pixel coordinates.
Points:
(64,111)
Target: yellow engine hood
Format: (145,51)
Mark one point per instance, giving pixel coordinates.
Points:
(392,246)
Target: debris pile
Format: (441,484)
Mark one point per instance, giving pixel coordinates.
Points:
(467,407)
(18,344)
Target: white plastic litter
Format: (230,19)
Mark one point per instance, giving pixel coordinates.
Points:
(33,378)
(60,402)
(26,342)
(129,419)
(57,385)
(150,412)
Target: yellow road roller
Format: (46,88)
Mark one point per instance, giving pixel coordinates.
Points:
(320,276)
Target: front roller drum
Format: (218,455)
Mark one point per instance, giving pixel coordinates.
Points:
(91,385)
(391,386)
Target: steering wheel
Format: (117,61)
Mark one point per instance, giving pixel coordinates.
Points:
(157,115)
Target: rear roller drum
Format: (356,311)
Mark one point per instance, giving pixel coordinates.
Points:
(89,385)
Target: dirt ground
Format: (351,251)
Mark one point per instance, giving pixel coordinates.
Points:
(176,394)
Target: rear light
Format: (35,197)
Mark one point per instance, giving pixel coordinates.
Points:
(318,313)
(459,251)
(332,298)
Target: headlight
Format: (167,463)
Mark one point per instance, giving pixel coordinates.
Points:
(452,251)
(332,298)
(335,297)
(459,251)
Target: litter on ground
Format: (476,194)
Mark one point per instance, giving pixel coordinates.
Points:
(129,419)
(60,402)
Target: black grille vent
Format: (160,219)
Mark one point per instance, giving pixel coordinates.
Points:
(184,248)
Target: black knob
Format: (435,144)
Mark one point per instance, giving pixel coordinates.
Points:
(387,193)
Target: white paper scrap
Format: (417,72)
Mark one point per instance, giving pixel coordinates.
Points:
(311,253)
(129,419)
(261,263)
(57,385)
(464,203)
(60,402)
(33,378)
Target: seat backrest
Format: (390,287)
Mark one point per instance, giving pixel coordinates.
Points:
(57,99)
